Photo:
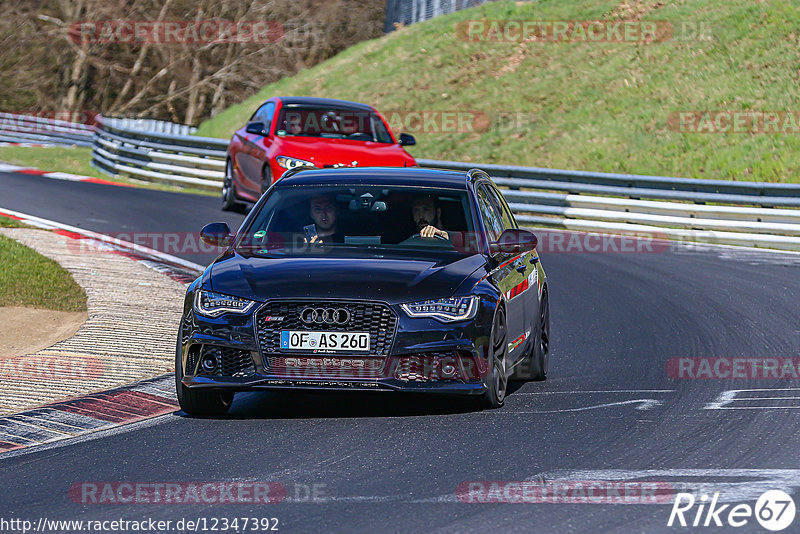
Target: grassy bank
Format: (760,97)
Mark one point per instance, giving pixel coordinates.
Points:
(30,280)
(602,106)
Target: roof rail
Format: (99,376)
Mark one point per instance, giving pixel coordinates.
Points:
(295,170)
(474,173)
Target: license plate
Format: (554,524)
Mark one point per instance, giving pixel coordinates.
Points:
(322,341)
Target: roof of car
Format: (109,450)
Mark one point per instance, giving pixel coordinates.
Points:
(322,102)
(379,176)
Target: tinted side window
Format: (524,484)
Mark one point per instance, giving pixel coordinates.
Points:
(502,206)
(491,218)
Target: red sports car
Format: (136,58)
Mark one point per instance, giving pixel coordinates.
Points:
(289,132)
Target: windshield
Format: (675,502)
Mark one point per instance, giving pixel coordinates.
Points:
(332,123)
(306,219)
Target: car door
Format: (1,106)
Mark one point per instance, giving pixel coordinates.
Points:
(253,154)
(509,273)
(527,290)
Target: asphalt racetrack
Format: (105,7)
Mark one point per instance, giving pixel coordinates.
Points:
(617,406)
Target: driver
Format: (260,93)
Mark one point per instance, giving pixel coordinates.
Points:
(293,125)
(427,216)
(325,214)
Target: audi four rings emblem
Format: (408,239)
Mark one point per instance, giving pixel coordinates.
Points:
(338,316)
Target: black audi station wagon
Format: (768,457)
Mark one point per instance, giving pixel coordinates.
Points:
(390,279)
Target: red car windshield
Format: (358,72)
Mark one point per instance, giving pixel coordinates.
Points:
(335,123)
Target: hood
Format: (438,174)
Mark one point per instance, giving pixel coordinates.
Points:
(393,280)
(344,151)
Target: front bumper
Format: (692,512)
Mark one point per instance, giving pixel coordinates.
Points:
(424,356)
(257,383)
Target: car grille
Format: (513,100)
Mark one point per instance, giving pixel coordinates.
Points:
(229,362)
(376,318)
(191,360)
(325,367)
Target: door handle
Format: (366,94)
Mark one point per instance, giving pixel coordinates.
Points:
(521,269)
(534,260)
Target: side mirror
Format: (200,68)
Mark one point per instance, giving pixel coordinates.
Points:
(256,128)
(407,140)
(514,240)
(216,234)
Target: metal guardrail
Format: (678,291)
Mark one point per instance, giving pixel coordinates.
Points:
(121,147)
(16,128)
(756,214)
(677,208)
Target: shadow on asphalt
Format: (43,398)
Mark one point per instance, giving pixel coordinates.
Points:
(335,404)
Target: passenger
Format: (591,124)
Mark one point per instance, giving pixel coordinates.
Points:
(427,216)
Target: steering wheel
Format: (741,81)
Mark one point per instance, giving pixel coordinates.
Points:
(359,136)
(416,238)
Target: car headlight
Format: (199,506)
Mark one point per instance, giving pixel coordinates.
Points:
(291,163)
(446,310)
(214,304)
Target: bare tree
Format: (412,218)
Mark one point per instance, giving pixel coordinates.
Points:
(55,64)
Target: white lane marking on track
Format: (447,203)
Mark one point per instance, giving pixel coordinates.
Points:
(644,404)
(596,391)
(731,396)
(733,485)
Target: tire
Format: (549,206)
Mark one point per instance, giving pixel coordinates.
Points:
(200,402)
(266,178)
(229,202)
(497,380)
(541,349)
(533,367)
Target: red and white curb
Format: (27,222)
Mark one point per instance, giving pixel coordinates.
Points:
(7,167)
(92,413)
(178,269)
(108,409)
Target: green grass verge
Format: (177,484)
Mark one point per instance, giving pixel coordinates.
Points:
(584,106)
(30,280)
(6,222)
(76,160)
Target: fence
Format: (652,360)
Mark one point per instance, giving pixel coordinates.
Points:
(756,214)
(407,12)
(120,149)
(16,128)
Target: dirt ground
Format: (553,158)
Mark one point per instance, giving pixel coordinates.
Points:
(27,330)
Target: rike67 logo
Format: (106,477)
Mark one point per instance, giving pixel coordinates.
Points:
(774,510)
